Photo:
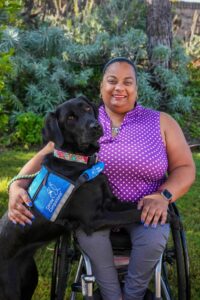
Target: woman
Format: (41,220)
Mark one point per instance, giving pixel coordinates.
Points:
(139,147)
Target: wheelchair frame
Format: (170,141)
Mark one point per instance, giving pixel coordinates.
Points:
(175,256)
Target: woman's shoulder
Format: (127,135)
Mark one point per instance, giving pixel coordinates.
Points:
(164,117)
(170,127)
(167,120)
(147,112)
(146,109)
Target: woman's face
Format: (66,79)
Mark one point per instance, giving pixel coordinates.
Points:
(118,88)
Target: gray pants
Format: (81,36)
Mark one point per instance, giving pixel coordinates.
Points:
(147,246)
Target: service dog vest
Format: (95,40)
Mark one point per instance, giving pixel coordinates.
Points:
(50,191)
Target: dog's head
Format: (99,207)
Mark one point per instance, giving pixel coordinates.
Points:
(73,126)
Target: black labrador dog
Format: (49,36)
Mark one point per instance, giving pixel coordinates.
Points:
(74,128)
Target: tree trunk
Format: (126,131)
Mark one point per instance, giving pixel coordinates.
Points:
(159,28)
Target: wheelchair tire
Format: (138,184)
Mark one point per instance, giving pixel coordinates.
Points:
(176,264)
(61,267)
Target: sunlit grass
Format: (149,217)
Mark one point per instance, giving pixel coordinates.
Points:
(3,184)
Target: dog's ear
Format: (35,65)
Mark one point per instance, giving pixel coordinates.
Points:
(51,130)
(94,106)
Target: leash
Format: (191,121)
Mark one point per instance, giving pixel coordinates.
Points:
(18,177)
(50,191)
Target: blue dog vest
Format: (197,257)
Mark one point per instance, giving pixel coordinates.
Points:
(50,191)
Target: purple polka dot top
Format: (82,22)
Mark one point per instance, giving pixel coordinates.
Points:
(135,160)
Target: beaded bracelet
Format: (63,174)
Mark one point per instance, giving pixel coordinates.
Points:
(18,177)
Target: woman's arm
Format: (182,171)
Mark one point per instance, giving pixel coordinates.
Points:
(17,211)
(181,168)
(181,172)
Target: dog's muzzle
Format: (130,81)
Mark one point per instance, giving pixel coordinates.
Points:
(96,129)
(89,136)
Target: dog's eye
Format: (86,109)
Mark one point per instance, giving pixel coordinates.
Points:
(70,118)
(88,108)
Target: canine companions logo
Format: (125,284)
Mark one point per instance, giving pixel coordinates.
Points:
(55,195)
(52,190)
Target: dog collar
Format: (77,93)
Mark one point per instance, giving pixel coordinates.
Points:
(74,157)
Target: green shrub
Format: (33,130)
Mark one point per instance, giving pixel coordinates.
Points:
(28,129)
(8,16)
(190,122)
(4,126)
(193,47)
(4,119)
(46,74)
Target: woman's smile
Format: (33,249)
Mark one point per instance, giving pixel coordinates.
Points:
(118,97)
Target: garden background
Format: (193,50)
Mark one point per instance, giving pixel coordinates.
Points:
(51,51)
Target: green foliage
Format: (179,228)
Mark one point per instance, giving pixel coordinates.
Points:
(9,10)
(51,67)
(7,73)
(6,69)
(193,47)
(161,53)
(171,82)
(28,129)
(190,122)
(147,94)
(4,119)
(113,17)
(53,63)
(116,16)
(47,74)
(8,13)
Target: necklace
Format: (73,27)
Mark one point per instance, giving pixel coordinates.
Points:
(115,130)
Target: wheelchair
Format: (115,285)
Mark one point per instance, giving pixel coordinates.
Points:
(72,272)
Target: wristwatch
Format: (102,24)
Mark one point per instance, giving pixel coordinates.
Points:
(166,194)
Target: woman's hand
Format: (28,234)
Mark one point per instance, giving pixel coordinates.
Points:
(154,209)
(19,202)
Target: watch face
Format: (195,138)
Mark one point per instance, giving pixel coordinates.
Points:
(167,194)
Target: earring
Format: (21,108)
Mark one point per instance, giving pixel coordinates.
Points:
(100,96)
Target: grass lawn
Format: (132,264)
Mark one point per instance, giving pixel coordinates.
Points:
(189,206)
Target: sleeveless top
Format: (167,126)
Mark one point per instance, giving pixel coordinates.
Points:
(135,160)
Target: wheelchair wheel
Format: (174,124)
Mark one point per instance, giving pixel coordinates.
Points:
(175,265)
(61,267)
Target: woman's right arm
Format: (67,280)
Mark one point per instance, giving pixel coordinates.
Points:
(17,211)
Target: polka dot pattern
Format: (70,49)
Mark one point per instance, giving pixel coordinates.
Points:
(135,160)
